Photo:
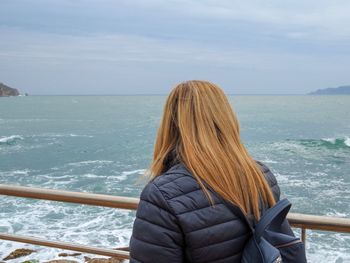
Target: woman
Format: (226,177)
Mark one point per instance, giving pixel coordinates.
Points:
(198,157)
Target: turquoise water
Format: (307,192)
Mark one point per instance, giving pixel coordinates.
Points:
(103,144)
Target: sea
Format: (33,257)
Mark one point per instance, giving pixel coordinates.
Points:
(104,144)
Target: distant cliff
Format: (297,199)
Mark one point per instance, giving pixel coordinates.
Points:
(6,91)
(342,90)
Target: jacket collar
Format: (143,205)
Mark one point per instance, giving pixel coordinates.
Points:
(179,168)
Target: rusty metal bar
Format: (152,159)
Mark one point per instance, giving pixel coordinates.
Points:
(70,197)
(120,254)
(325,223)
(303,235)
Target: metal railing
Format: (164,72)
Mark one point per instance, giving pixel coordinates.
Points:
(301,221)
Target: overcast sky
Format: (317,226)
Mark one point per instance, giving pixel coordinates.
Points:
(148,46)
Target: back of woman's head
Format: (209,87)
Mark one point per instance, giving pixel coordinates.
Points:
(200,129)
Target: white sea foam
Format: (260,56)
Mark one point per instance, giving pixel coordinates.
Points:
(62,135)
(347,141)
(53,176)
(93,176)
(109,228)
(11,138)
(21,172)
(18,173)
(266,160)
(331,140)
(138,171)
(325,255)
(80,135)
(337,214)
(90,162)
(125,174)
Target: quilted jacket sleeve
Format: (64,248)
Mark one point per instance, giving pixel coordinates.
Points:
(271,179)
(156,235)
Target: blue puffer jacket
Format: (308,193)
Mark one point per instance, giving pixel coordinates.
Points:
(175,222)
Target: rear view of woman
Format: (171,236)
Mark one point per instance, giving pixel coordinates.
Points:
(199,156)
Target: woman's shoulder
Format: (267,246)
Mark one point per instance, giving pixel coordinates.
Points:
(178,177)
(176,189)
(176,181)
(270,178)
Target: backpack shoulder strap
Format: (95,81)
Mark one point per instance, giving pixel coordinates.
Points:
(274,215)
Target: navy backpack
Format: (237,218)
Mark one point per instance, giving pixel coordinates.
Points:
(272,240)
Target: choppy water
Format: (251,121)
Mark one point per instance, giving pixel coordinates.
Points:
(103,144)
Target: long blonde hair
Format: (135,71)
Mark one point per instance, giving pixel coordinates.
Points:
(199,125)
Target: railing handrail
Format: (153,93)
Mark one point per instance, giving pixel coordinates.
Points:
(70,196)
(295,219)
(302,221)
(316,222)
(121,254)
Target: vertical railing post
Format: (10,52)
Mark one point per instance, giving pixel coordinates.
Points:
(303,234)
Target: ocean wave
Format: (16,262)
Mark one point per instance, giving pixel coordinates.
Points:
(138,171)
(125,174)
(89,162)
(339,142)
(267,160)
(330,143)
(8,140)
(21,172)
(93,176)
(62,135)
(80,135)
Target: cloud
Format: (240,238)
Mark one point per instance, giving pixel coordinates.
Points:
(322,19)
(324,16)
(36,47)
(253,43)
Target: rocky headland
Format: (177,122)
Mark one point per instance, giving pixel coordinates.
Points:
(342,90)
(6,91)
